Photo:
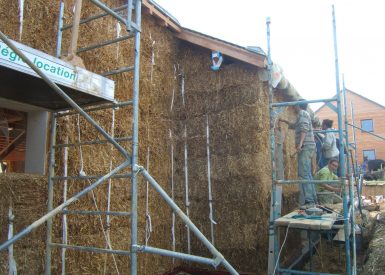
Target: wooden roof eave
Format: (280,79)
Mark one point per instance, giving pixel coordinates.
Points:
(225,48)
(202,40)
(162,18)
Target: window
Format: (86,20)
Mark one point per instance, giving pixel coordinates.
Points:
(367,125)
(370,154)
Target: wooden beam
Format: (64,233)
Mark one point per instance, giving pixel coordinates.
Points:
(147,10)
(225,48)
(11,146)
(167,21)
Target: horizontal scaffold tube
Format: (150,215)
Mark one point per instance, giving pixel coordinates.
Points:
(293,103)
(94,17)
(307,181)
(219,259)
(109,11)
(292,271)
(326,131)
(119,71)
(91,249)
(91,142)
(97,108)
(92,177)
(85,212)
(61,207)
(177,255)
(104,43)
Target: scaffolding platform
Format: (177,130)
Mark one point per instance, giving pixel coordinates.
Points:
(19,81)
(325,222)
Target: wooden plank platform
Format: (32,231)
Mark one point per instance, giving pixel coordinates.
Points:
(325,223)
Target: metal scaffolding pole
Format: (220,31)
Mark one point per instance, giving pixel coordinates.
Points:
(273,236)
(135,133)
(354,138)
(342,149)
(51,173)
(351,175)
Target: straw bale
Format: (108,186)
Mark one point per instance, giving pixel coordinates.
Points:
(27,194)
(375,263)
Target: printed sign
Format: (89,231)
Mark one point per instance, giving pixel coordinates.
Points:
(57,70)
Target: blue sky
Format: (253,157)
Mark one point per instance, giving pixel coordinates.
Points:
(301,38)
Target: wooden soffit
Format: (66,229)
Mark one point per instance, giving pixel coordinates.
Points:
(224,47)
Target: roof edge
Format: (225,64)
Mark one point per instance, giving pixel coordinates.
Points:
(235,51)
(226,48)
(164,17)
(361,96)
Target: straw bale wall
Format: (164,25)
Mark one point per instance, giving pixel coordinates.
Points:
(235,101)
(236,104)
(157,80)
(27,194)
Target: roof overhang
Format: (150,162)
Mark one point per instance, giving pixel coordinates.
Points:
(237,52)
(164,18)
(224,47)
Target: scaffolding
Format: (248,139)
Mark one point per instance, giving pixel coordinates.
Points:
(132,22)
(346,169)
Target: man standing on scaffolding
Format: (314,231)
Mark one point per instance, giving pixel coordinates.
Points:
(305,147)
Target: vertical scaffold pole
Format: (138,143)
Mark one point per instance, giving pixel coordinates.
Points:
(342,155)
(273,246)
(135,129)
(354,139)
(351,175)
(51,174)
(59,29)
(346,136)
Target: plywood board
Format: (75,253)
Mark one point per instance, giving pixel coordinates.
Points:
(325,223)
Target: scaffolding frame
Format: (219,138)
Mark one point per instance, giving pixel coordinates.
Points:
(347,193)
(134,30)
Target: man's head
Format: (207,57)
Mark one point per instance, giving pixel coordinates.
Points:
(302,106)
(327,123)
(333,164)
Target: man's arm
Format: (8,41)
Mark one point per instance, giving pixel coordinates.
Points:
(290,124)
(323,176)
(330,188)
(301,140)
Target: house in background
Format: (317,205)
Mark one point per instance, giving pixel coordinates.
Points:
(369,116)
